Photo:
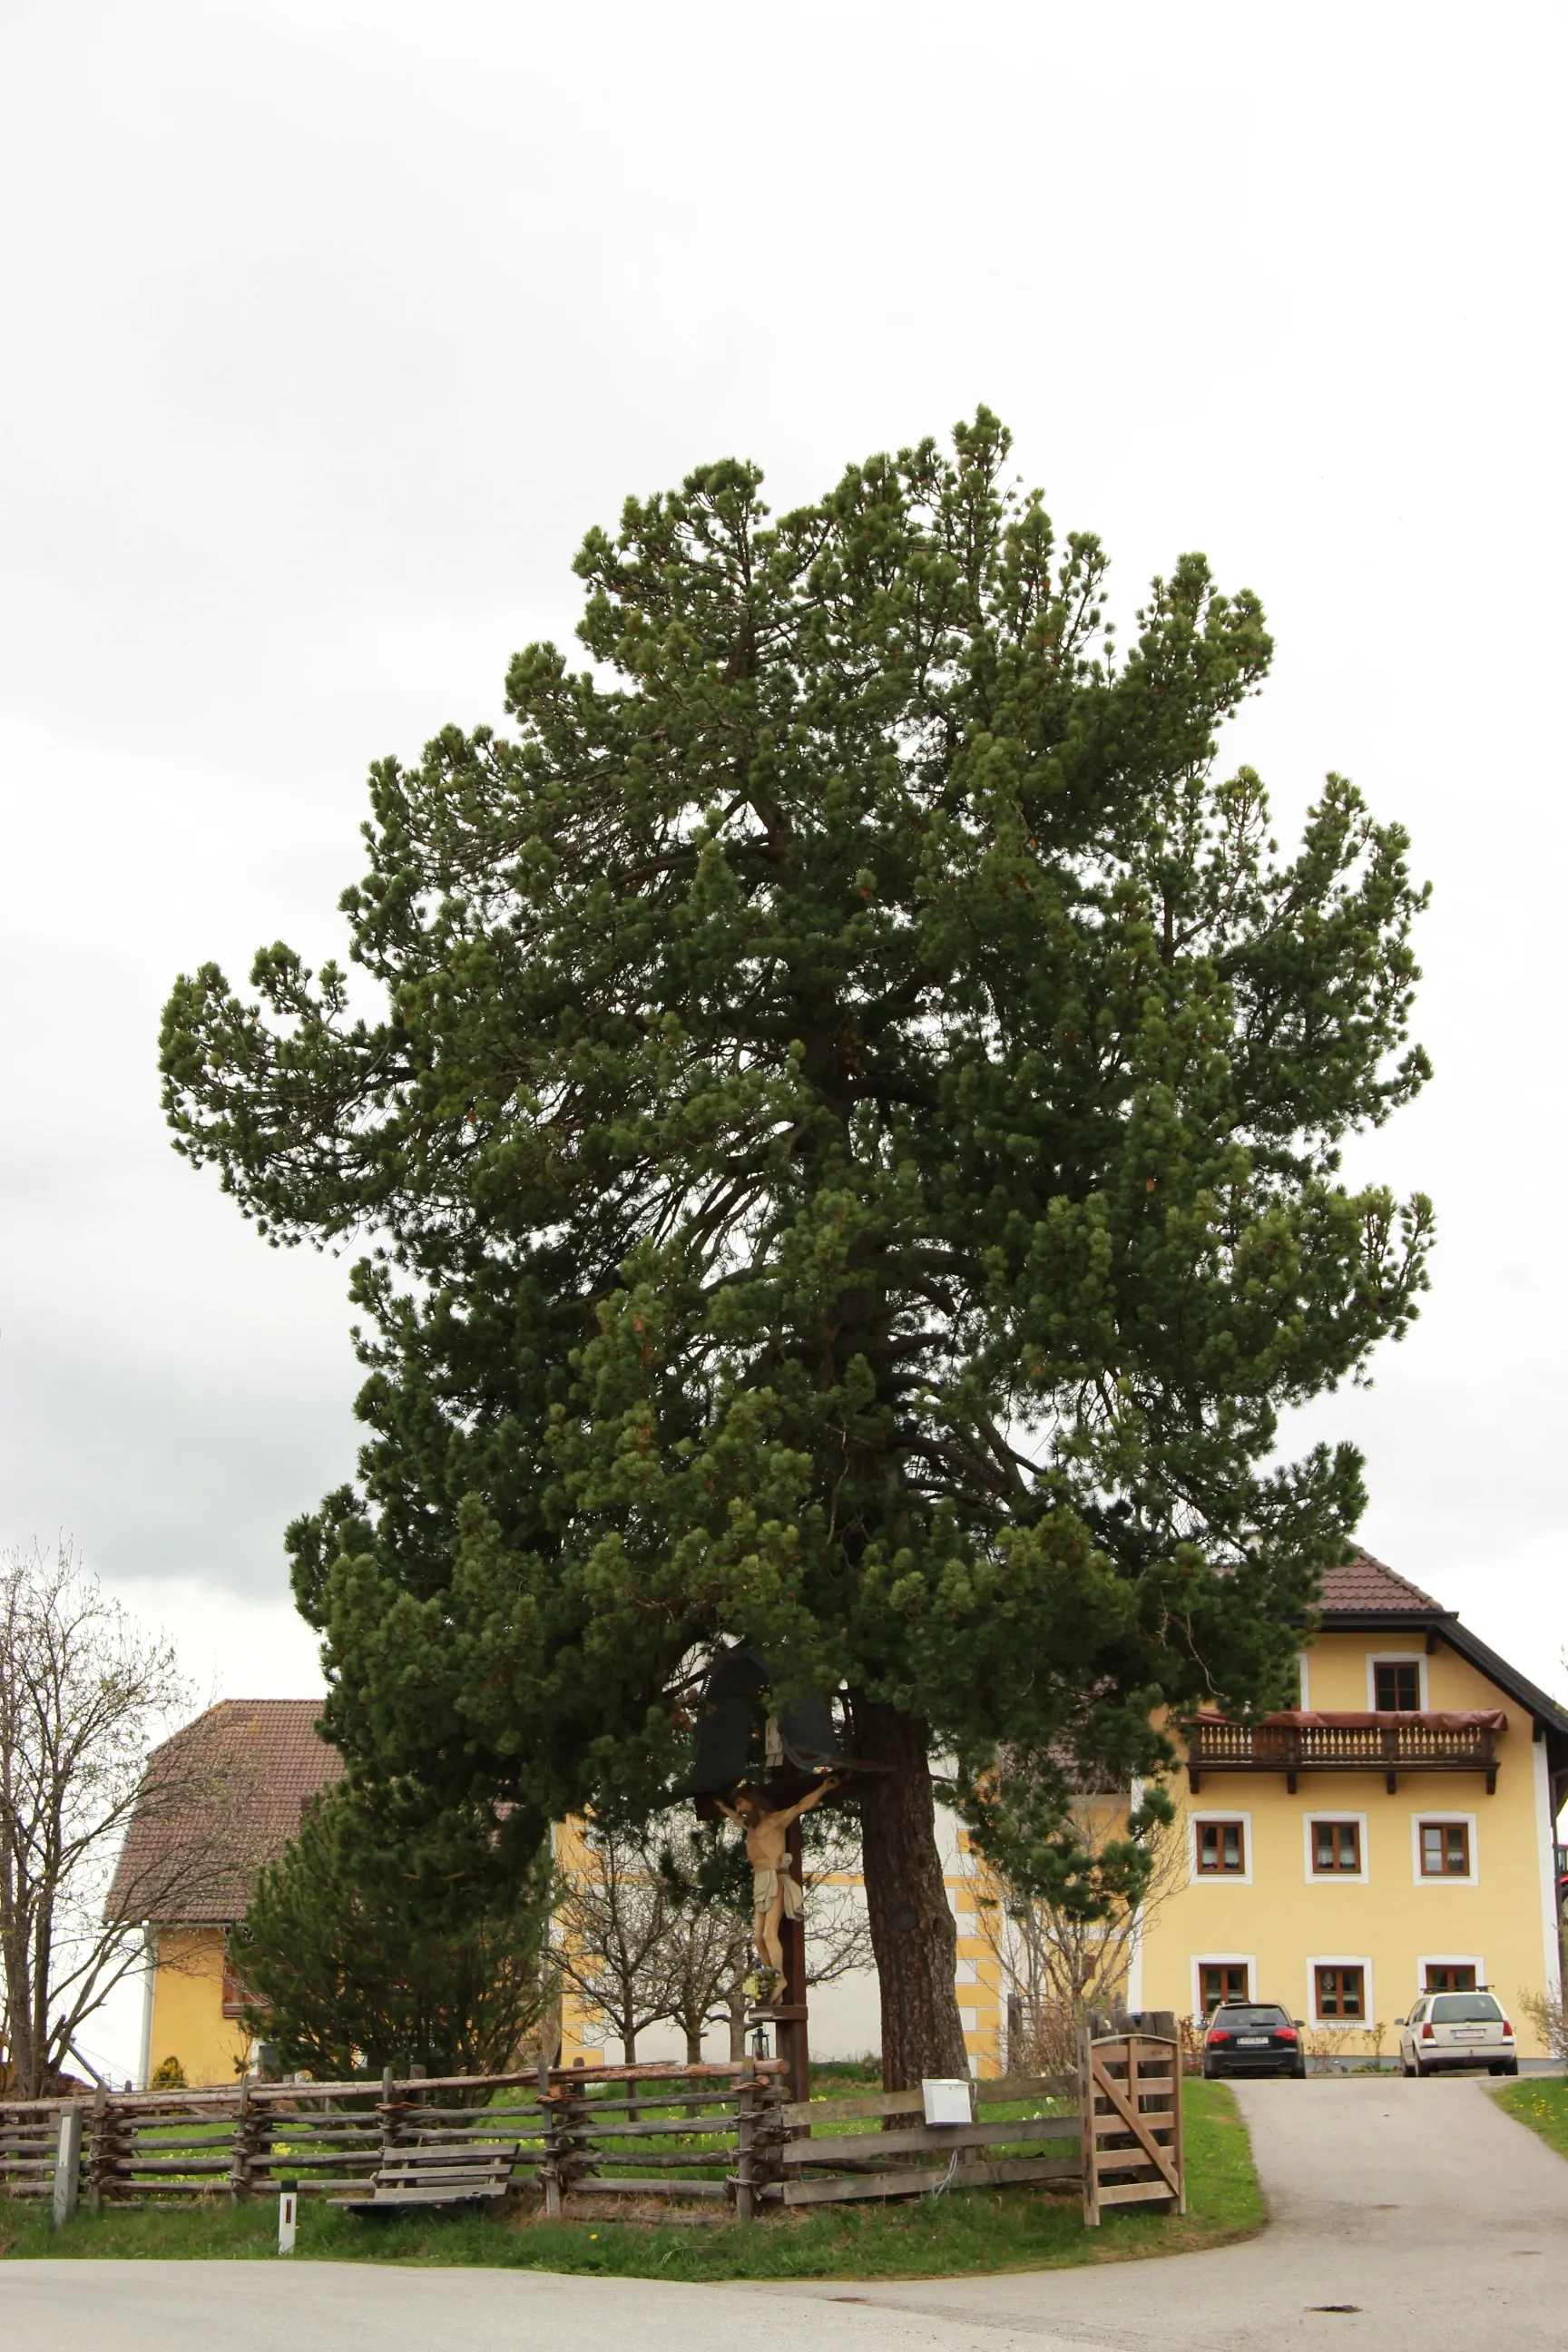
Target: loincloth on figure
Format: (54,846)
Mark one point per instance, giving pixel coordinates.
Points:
(766,1883)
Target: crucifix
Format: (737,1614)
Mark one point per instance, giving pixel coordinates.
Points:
(793,1755)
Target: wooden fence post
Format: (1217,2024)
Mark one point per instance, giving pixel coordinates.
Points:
(242,2153)
(1179,2143)
(745,2140)
(548,2173)
(101,2149)
(68,2162)
(768,2136)
(564,2147)
(1087,2146)
(550,2165)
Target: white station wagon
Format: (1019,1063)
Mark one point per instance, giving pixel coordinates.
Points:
(1446,2031)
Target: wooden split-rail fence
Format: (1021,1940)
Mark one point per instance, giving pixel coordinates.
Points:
(709,2141)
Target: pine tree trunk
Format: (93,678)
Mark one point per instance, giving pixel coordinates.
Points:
(912,1931)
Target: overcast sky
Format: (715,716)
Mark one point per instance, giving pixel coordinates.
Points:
(331,327)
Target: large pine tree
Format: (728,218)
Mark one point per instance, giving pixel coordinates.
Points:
(850,1134)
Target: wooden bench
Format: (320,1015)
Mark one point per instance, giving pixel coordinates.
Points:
(465,2175)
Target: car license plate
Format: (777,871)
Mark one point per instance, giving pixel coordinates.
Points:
(1252,2041)
(1466,2032)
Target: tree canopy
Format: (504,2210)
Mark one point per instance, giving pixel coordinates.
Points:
(371,1944)
(847,1141)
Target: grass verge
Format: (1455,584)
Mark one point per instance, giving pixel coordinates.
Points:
(980,2230)
(1539,2102)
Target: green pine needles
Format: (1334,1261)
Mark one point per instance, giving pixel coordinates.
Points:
(848,1145)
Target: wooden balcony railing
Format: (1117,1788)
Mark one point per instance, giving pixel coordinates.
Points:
(1304,1742)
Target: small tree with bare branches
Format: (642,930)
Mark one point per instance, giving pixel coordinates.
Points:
(84,1697)
(1065,1937)
(657,1929)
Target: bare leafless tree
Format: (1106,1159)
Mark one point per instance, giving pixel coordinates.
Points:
(84,1696)
(614,1930)
(1059,1960)
(655,1928)
(707,1939)
(837,1931)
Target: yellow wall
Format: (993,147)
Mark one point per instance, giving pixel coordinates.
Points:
(972,1892)
(581,2029)
(188,2022)
(1285,1919)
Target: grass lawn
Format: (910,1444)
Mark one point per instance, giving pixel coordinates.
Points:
(980,2230)
(1542,2102)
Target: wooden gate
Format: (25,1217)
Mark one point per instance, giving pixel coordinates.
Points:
(1130,2088)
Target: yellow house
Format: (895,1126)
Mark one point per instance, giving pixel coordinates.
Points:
(1393,1833)
(235,1783)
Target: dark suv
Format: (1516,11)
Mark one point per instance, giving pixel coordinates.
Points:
(1252,2037)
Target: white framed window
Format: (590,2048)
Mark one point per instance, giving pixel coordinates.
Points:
(1219,1848)
(1339,1989)
(1396,1682)
(1450,1972)
(1222,1976)
(1444,1849)
(1337,1850)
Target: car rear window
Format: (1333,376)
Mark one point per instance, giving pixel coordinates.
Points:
(1465,2009)
(1245,2020)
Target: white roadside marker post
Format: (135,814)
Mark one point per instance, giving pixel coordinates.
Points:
(288,2214)
(67,2163)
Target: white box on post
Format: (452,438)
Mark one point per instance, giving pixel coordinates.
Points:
(947,2100)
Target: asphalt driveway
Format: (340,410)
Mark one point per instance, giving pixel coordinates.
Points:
(1420,2203)
(1423,2204)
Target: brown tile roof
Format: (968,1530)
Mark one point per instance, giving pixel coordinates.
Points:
(218,1800)
(1364,1587)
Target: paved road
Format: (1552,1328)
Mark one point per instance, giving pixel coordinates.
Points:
(1420,2202)
(1423,2203)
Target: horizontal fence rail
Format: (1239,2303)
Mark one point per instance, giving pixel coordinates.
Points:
(719,2139)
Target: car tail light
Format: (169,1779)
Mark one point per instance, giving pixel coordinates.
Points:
(1285,2033)
(1506,2030)
(1427,2034)
(1219,2033)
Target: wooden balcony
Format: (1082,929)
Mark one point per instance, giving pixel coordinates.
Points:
(1310,1742)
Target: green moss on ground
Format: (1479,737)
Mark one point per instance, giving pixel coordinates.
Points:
(976,2229)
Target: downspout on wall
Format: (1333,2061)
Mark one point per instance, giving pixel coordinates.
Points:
(144,2062)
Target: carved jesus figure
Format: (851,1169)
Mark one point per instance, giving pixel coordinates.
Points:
(775,1890)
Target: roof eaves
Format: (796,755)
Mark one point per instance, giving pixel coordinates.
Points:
(1546,1711)
(1376,1620)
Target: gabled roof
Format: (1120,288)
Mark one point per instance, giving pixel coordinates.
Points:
(1365,1595)
(1363,1587)
(218,1800)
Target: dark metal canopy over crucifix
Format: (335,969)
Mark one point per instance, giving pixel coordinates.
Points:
(761,1764)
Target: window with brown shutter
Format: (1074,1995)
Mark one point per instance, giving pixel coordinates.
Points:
(1341,1991)
(1398,1683)
(238,1996)
(1221,1849)
(1445,1850)
(1336,1848)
